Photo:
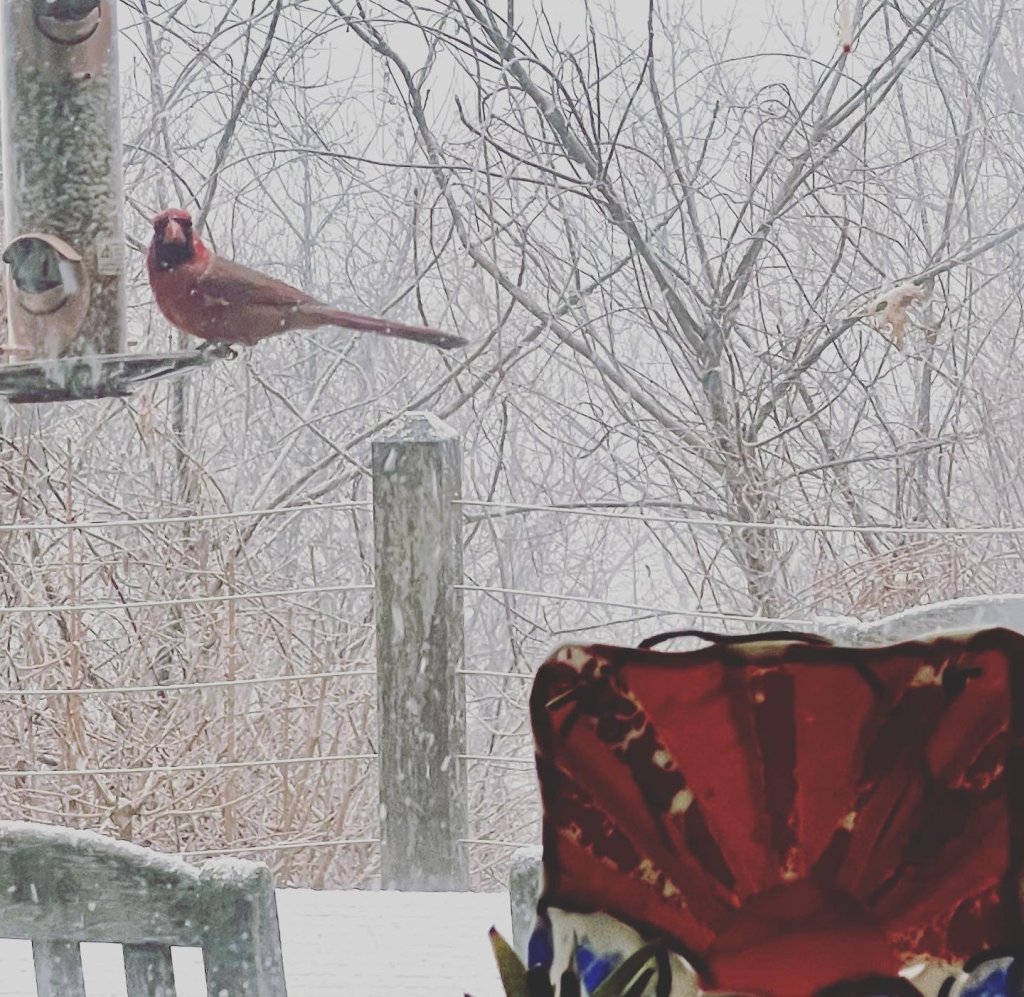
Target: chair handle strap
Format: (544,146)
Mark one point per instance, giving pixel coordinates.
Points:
(713,638)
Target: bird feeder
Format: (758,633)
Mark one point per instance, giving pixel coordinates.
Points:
(63,199)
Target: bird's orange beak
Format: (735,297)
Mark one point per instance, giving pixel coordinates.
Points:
(173,233)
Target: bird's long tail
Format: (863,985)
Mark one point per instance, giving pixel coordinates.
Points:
(318,315)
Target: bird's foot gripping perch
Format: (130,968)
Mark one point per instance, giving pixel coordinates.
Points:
(218,349)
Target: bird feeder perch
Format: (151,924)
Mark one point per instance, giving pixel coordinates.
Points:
(63,199)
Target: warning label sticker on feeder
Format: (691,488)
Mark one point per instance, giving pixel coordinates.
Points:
(109,257)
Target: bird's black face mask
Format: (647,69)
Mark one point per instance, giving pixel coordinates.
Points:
(173,254)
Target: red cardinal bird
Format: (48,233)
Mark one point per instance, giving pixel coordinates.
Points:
(224,302)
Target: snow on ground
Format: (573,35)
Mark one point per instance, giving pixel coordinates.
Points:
(365,943)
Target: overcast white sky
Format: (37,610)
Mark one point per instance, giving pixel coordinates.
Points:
(752,24)
(776,32)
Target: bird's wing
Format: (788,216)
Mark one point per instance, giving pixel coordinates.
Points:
(229,283)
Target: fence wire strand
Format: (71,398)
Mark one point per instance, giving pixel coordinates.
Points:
(590,511)
(584,600)
(188,686)
(94,526)
(197,600)
(278,847)
(188,766)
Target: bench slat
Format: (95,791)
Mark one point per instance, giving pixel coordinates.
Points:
(58,969)
(148,971)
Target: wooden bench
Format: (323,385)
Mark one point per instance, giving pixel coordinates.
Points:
(60,887)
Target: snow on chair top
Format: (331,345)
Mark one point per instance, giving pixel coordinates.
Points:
(61,887)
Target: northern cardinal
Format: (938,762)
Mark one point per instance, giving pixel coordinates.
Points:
(224,302)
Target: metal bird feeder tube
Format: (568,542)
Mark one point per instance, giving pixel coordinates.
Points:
(62,172)
(63,206)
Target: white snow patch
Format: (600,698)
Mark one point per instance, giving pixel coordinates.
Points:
(381,944)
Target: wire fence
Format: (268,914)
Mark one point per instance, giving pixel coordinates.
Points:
(159,683)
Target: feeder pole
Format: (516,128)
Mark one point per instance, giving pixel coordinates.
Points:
(62,170)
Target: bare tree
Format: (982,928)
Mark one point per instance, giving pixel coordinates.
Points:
(745,349)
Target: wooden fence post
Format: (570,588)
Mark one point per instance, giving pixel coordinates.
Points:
(421,702)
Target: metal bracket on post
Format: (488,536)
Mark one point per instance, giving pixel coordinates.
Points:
(421,701)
